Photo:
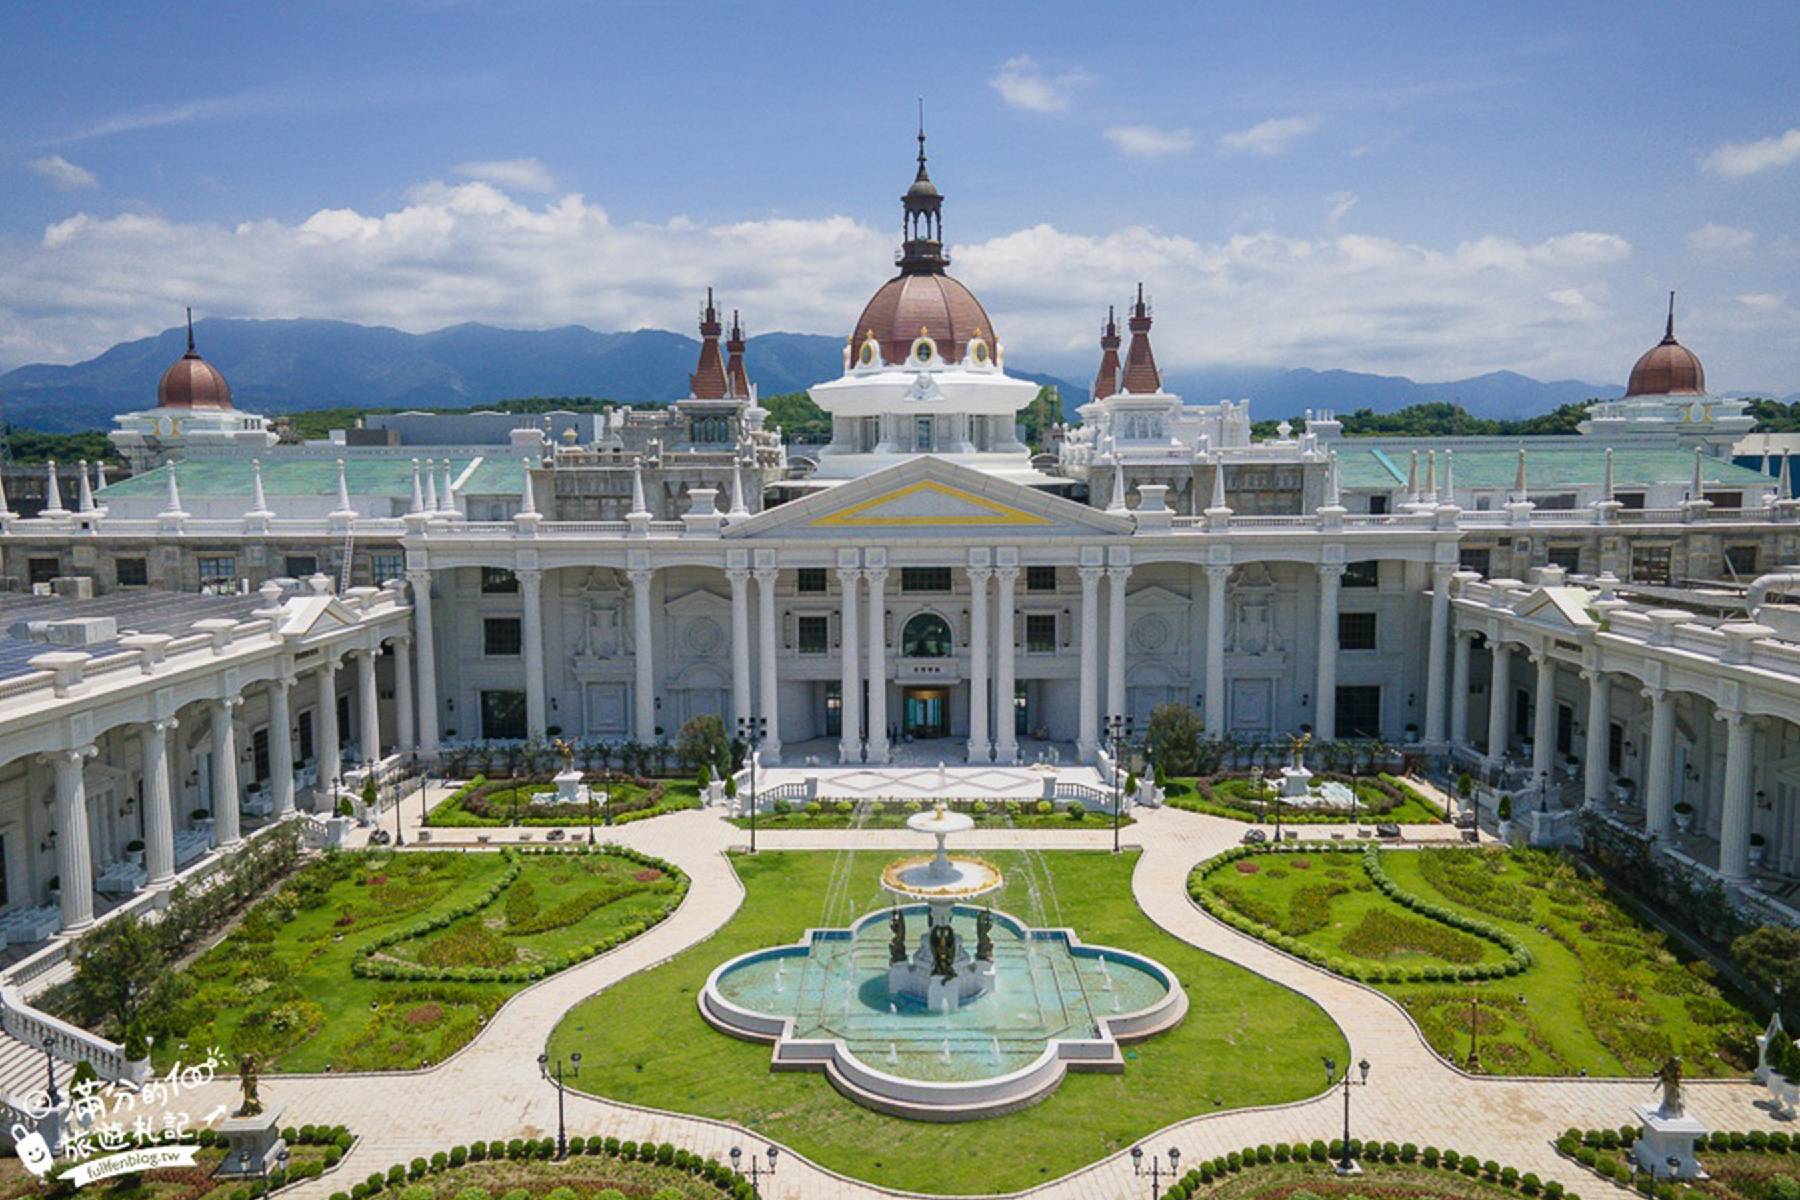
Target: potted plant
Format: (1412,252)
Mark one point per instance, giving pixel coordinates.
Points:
(1684,816)
(134,852)
(1504,813)
(1758,849)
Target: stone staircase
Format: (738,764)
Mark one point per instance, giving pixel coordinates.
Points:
(22,1069)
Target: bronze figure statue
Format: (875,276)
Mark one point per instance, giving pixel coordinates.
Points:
(567,751)
(1297,744)
(1669,1077)
(897,947)
(984,945)
(247,1068)
(943,951)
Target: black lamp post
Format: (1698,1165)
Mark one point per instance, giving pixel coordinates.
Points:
(1155,1170)
(1474,1022)
(424,794)
(592,804)
(1118,733)
(750,732)
(399,835)
(1347,1165)
(756,1169)
(554,1075)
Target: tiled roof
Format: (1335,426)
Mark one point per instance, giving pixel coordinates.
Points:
(135,611)
(1367,466)
(289,477)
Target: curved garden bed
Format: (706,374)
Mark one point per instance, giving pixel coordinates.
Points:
(892,814)
(1382,797)
(493,803)
(1566,981)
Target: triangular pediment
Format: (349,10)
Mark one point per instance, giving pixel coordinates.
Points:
(1561,606)
(698,602)
(930,497)
(310,616)
(1157,596)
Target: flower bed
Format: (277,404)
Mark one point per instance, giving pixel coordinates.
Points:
(1382,797)
(1757,1165)
(483,803)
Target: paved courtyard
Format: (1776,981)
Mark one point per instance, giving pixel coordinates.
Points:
(492,1089)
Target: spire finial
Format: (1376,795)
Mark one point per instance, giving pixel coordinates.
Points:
(1669,332)
(921,135)
(190,325)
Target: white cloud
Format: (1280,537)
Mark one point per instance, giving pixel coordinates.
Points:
(1340,205)
(1268,138)
(521,174)
(471,251)
(1734,160)
(1024,84)
(1720,239)
(1762,300)
(1147,141)
(62,174)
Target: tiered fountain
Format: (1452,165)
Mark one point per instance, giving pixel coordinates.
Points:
(941,974)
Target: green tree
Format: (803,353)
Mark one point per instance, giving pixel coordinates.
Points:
(120,971)
(800,419)
(702,741)
(1044,411)
(1173,738)
(1770,956)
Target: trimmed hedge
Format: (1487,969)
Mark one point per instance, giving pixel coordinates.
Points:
(366,966)
(1430,1157)
(1518,960)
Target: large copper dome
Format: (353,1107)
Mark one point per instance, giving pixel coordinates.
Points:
(192,382)
(936,303)
(1667,368)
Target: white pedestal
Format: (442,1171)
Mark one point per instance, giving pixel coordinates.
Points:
(1666,1148)
(568,788)
(1295,781)
(259,1136)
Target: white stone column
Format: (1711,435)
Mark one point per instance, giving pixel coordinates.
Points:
(1735,818)
(531,585)
(281,745)
(403,694)
(225,798)
(979,750)
(1331,577)
(1437,649)
(739,579)
(1087,736)
(328,753)
(74,855)
(159,803)
(368,712)
(644,724)
(1543,727)
(1599,721)
(1006,738)
(771,691)
(878,732)
(1459,689)
(1116,578)
(1217,579)
(1658,775)
(850,682)
(1499,701)
(427,661)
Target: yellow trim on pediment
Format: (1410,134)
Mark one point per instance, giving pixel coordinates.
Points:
(991,512)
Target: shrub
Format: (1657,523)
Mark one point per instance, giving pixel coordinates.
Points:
(1075,812)
(1044,808)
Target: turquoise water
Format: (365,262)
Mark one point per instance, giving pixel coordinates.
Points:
(837,988)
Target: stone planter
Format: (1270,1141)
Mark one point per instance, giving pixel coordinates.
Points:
(1684,822)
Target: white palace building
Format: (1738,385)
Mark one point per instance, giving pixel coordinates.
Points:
(1591,620)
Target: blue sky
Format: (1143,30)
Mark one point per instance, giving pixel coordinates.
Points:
(1431,190)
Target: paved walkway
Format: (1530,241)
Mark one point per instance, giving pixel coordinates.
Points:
(492,1088)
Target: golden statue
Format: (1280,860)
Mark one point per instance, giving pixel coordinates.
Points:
(252,1106)
(1297,744)
(567,751)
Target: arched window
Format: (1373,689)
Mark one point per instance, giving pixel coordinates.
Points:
(926,636)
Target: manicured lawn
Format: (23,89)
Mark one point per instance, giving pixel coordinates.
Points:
(1245,1041)
(893,815)
(1603,994)
(482,803)
(281,984)
(1236,797)
(1391,1181)
(1761,1165)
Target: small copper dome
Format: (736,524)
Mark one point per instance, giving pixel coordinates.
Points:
(947,311)
(191,381)
(1667,368)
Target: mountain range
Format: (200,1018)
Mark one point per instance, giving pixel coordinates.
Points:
(292,365)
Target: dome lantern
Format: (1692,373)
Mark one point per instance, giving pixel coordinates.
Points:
(191,381)
(1667,368)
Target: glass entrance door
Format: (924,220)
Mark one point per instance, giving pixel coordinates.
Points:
(927,713)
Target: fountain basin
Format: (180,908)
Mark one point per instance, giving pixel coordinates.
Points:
(1056,1005)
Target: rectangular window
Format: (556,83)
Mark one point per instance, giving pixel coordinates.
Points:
(133,572)
(1615,747)
(1565,729)
(502,636)
(815,634)
(1040,633)
(43,570)
(924,579)
(1378,504)
(299,566)
(1021,710)
(1522,714)
(1476,558)
(503,714)
(259,755)
(1566,557)
(385,565)
(218,569)
(1359,712)
(1365,574)
(306,736)
(1633,500)
(810,581)
(498,581)
(1650,564)
(1741,561)
(834,709)
(1040,579)
(1725,499)
(1356,631)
